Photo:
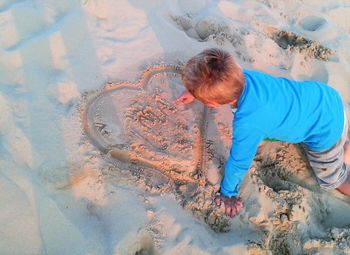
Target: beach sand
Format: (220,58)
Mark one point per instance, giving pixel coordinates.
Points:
(96,158)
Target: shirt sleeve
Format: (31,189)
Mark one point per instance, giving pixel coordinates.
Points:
(245,142)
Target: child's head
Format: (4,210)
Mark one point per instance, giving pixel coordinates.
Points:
(213,77)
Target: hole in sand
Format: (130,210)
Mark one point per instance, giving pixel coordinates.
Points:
(293,41)
(274,177)
(312,23)
(143,244)
(288,39)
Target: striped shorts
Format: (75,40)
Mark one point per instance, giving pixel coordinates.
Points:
(328,166)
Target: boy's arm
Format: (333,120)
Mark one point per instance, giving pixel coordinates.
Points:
(245,143)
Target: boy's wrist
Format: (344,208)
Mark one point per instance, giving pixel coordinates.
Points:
(227,193)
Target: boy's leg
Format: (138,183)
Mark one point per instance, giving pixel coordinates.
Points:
(345,187)
(329,166)
(347,153)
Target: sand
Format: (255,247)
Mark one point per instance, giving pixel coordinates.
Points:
(96,158)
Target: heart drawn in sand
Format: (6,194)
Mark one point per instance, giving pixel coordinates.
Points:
(140,124)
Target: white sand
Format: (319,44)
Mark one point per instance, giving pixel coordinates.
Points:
(60,195)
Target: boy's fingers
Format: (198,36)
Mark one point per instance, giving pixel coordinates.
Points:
(238,209)
(239,204)
(218,201)
(233,212)
(178,101)
(228,210)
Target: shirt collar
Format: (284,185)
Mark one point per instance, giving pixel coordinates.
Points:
(241,97)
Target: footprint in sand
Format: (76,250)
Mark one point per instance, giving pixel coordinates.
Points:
(208,27)
(216,29)
(316,26)
(141,244)
(312,23)
(15,28)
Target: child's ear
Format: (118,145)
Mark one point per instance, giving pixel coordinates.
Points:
(233,102)
(212,104)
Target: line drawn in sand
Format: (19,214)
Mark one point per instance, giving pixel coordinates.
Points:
(139,124)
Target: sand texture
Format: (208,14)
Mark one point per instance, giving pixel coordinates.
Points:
(95,157)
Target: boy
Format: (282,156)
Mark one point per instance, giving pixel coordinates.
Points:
(264,106)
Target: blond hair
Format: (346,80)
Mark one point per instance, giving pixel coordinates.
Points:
(213,75)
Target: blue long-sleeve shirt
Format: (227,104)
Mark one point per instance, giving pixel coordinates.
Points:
(306,112)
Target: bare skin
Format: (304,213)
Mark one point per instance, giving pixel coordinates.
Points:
(345,187)
(185,98)
(347,153)
(232,205)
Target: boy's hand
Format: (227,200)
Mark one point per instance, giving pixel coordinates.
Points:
(185,98)
(232,205)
